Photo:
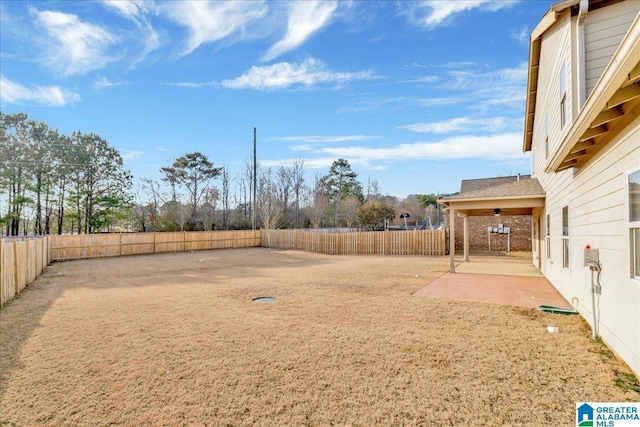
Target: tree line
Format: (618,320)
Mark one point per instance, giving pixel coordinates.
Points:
(55,183)
(51,183)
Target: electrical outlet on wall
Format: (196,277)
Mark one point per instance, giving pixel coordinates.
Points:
(574,302)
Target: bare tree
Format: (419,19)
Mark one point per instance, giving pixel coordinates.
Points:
(319,203)
(373,190)
(208,207)
(348,209)
(284,189)
(268,206)
(297,181)
(225,198)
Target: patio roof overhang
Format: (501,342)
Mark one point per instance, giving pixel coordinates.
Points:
(508,205)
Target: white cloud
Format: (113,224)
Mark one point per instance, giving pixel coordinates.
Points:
(305,18)
(284,74)
(458,124)
(12,93)
(129,8)
(74,46)
(505,87)
(438,11)
(492,147)
(324,139)
(104,82)
(521,35)
(136,11)
(130,155)
(214,21)
(194,84)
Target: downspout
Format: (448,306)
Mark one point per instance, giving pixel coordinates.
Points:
(582,60)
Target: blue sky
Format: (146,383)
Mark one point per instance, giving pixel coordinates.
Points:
(418,95)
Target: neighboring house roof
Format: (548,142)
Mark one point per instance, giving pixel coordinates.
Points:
(482,183)
(512,198)
(611,106)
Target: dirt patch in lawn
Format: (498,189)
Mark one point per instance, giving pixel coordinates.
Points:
(176,339)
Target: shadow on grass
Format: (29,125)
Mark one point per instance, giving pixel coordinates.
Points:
(22,315)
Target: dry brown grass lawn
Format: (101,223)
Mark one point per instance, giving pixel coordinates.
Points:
(175,339)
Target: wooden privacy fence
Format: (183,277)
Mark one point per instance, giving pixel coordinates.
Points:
(106,245)
(21,262)
(23,259)
(414,242)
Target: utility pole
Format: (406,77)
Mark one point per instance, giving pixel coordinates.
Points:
(255,181)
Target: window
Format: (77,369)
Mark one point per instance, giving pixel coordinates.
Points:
(564,110)
(634,222)
(546,136)
(565,237)
(548,236)
(533,163)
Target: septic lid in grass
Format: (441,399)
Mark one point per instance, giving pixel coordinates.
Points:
(264,299)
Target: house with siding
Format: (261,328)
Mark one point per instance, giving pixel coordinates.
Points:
(582,128)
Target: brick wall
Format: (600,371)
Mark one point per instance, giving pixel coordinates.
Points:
(478,241)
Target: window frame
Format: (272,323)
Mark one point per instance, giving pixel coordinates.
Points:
(548,238)
(565,237)
(564,110)
(633,229)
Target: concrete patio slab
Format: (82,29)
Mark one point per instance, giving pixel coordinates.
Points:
(505,268)
(520,290)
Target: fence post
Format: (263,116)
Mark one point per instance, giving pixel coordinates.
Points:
(414,242)
(16,266)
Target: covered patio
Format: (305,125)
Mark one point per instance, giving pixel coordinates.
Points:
(497,280)
(514,198)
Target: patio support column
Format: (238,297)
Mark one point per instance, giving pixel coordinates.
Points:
(452,240)
(465,220)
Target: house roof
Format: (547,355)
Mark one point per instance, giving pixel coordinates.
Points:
(479,184)
(611,106)
(512,198)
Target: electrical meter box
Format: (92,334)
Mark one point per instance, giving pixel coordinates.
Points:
(591,255)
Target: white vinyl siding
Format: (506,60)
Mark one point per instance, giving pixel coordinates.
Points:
(597,194)
(604,30)
(599,216)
